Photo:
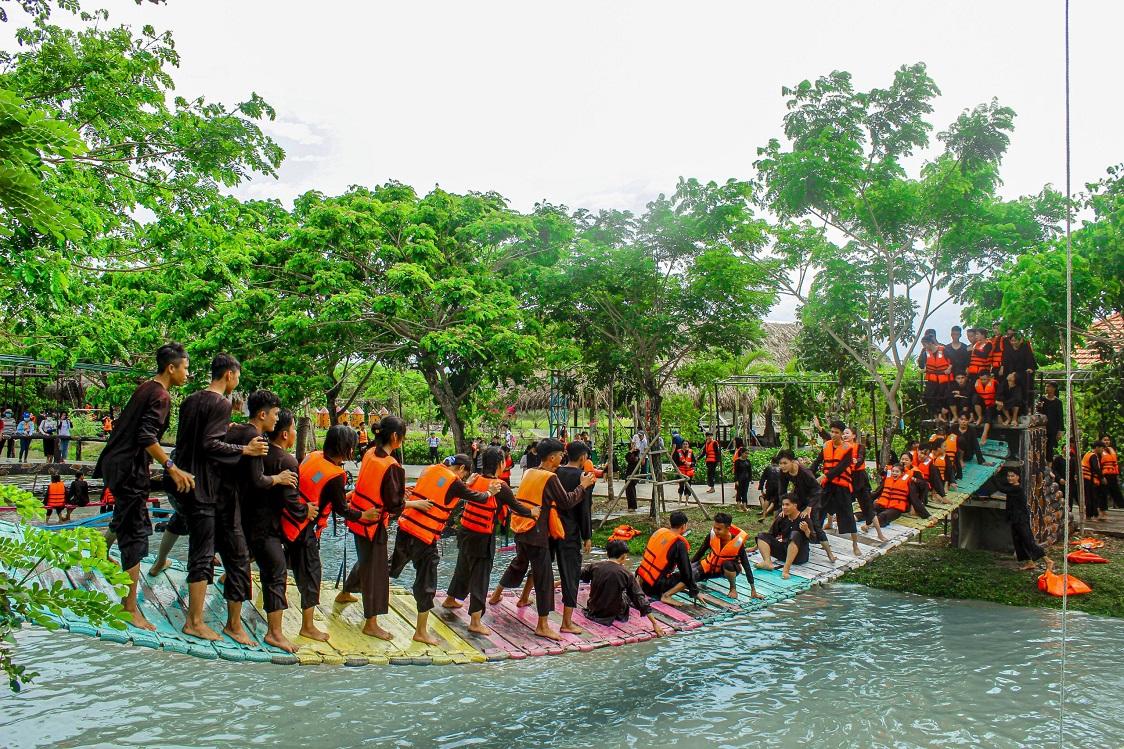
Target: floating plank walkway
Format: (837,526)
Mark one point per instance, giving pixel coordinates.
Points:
(163,600)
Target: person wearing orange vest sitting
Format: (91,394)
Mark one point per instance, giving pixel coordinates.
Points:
(712,455)
(724,555)
(322,485)
(1092,474)
(900,490)
(613,589)
(837,459)
(786,539)
(985,403)
(381,485)
(55,497)
(541,488)
(938,375)
(476,541)
(1027,549)
(684,459)
(665,567)
(1110,470)
(441,488)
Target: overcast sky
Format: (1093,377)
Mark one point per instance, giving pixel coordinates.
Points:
(606,104)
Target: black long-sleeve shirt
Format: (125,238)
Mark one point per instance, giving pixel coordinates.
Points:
(743,556)
(1019,359)
(679,559)
(261,507)
(248,473)
(959,357)
(78,493)
(553,495)
(610,586)
(141,424)
(771,476)
(805,486)
(783,527)
(1051,408)
(578,520)
(201,446)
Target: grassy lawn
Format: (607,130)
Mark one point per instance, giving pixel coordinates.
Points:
(932,568)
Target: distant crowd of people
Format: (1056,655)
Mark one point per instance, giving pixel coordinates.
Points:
(54,428)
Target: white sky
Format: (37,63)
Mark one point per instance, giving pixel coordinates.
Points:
(606,104)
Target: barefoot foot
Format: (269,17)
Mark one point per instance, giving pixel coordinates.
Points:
(345,597)
(548,633)
(140,622)
(426,638)
(479,629)
(159,567)
(523,603)
(239,635)
(313,633)
(670,601)
(374,630)
(495,598)
(451,603)
(281,642)
(572,629)
(202,631)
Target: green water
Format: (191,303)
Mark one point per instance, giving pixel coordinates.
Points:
(841,666)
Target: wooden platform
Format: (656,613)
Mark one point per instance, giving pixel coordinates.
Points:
(164,598)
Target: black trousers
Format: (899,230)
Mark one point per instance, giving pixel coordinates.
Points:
(370,576)
(887,515)
(471,577)
(630,494)
(711,473)
(818,515)
(269,553)
(1111,490)
(778,549)
(663,584)
(1026,548)
(424,557)
(1095,500)
(177,524)
(568,553)
(217,528)
(303,555)
(537,558)
(130,522)
(866,504)
(936,396)
(741,489)
(839,503)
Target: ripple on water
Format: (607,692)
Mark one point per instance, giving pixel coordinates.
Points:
(840,666)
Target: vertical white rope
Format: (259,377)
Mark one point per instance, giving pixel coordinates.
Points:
(1069,412)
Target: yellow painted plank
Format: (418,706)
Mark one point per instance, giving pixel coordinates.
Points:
(311,651)
(456,647)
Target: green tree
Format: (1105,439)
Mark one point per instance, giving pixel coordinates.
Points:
(887,245)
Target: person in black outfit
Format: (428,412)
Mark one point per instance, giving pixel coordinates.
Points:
(211,510)
(577,521)
(677,575)
(1027,549)
(957,352)
(78,493)
(613,588)
(1019,360)
(531,456)
(631,461)
(769,487)
(1050,406)
(967,443)
(123,465)
(786,539)
(476,550)
(808,492)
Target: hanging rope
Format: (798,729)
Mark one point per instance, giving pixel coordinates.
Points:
(1069,414)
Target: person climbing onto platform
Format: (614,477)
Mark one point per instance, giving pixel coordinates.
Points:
(809,495)
(124,464)
(1027,549)
(712,456)
(540,488)
(1110,471)
(786,539)
(381,485)
(476,542)
(837,459)
(665,567)
(442,486)
(724,555)
(322,483)
(613,589)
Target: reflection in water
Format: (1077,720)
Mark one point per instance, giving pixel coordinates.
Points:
(840,666)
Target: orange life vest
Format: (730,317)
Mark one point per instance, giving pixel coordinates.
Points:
(107,424)
(720,553)
(986,393)
(951,446)
(480,518)
(107,498)
(998,343)
(531,488)
(368,493)
(686,462)
(56,495)
(363,438)
(939,462)
(895,493)
(831,457)
(505,472)
(935,365)
(915,458)
(314,474)
(1110,466)
(922,469)
(654,562)
(427,525)
(1057,585)
(710,450)
(1087,469)
(979,361)
(588,467)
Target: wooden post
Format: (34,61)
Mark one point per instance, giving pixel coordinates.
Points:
(612,444)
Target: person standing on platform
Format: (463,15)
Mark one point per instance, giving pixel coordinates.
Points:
(1110,470)
(1027,549)
(684,459)
(979,356)
(577,526)
(959,355)
(809,495)
(1096,506)
(938,376)
(837,459)
(712,456)
(124,463)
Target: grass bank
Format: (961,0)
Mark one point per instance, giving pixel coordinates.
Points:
(928,566)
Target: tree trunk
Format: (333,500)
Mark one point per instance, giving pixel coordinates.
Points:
(612,444)
(652,426)
(306,437)
(448,408)
(888,432)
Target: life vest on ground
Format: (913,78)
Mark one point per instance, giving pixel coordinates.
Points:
(998,344)
(531,488)
(1110,466)
(314,474)
(1057,585)
(1089,543)
(427,525)
(623,532)
(895,493)
(935,365)
(1085,557)
(107,498)
(56,495)
(831,457)
(980,359)
(710,451)
(686,462)
(720,553)
(1087,469)
(368,493)
(986,393)
(480,518)
(654,563)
